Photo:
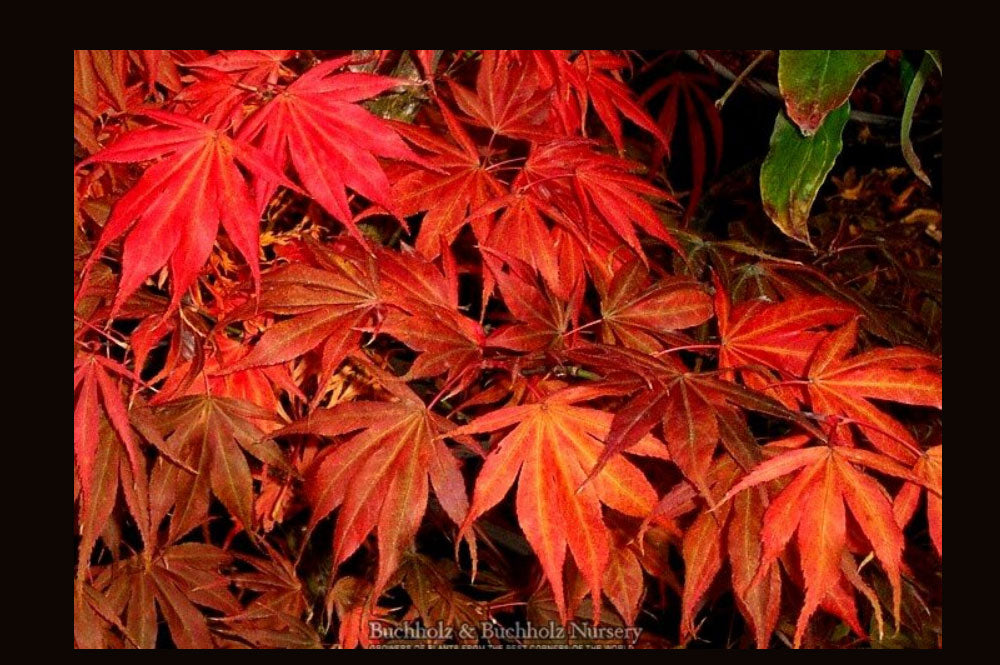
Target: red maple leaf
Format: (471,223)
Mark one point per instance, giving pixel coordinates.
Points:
(553,447)
(175,209)
(332,142)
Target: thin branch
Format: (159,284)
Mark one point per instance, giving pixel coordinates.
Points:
(721,101)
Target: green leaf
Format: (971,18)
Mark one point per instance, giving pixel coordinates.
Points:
(796,167)
(912,95)
(813,83)
(938,57)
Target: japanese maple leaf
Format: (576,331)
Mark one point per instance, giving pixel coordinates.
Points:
(595,75)
(432,586)
(507,100)
(381,476)
(543,319)
(331,142)
(695,411)
(101,79)
(699,110)
(783,336)
(211,435)
(264,65)
(107,454)
(553,447)
(571,206)
(274,578)
(702,547)
(329,307)
(929,469)
(448,342)
(623,580)
(461,184)
(255,385)
(94,621)
(603,190)
(98,80)
(637,313)
(426,316)
(842,385)
(175,209)
(111,470)
(730,533)
(521,232)
(224,83)
(353,601)
(273,618)
(815,505)
(412,283)
(95,387)
(175,580)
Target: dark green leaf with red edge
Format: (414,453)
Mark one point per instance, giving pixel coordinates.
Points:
(814,83)
(796,167)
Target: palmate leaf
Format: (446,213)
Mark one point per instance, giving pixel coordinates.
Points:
(637,313)
(175,209)
(569,210)
(107,454)
(507,100)
(380,477)
(256,385)
(696,412)
(460,184)
(699,111)
(595,75)
(730,533)
(540,94)
(842,386)
(815,505)
(273,619)
(331,141)
(329,306)
(431,585)
(171,582)
(591,188)
(95,387)
(552,448)
(542,318)
(782,336)
(929,469)
(426,316)
(211,435)
(111,470)
(222,92)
